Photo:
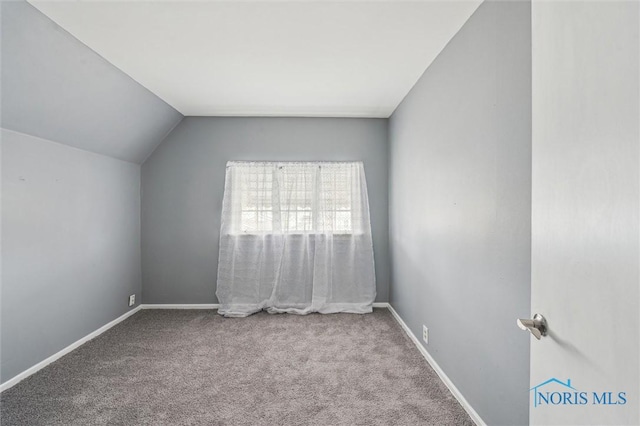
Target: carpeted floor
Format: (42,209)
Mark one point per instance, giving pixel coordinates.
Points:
(193,367)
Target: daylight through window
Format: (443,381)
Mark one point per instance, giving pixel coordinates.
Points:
(294,197)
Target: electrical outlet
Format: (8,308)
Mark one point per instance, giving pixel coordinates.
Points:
(425,334)
(132,300)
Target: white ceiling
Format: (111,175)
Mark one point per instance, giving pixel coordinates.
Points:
(268,58)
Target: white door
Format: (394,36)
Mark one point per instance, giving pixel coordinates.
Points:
(585,199)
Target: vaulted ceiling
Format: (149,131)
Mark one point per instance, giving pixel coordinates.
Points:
(268,58)
(56,88)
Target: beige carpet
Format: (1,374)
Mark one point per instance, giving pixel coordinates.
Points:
(193,367)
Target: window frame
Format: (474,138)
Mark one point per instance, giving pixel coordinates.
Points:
(315,210)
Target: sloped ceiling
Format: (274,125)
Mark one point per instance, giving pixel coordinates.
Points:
(268,58)
(56,88)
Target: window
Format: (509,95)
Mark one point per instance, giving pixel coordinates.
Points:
(255,190)
(295,237)
(294,198)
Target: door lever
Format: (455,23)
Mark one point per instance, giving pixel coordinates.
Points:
(537,326)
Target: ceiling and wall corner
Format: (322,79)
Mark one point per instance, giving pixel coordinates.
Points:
(56,88)
(268,58)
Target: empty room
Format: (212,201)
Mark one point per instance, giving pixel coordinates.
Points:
(305,212)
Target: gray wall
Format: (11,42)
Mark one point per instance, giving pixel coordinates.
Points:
(71,218)
(70,246)
(55,87)
(460,198)
(183,182)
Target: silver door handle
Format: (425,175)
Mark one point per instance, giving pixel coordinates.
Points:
(537,326)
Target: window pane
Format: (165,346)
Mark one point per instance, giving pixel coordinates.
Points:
(249,221)
(335,199)
(309,197)
(256,197)
(343,221)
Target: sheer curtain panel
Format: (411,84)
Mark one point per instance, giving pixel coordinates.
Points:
(295,237)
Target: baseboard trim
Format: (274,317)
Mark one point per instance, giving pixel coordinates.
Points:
(39,366)
(443,376)
(213,305)
(180,306)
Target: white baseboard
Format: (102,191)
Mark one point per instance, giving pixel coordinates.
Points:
(445,379)
(180,306)
(39,366)
(214,305)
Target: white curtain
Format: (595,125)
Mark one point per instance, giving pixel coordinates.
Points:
(295,237)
